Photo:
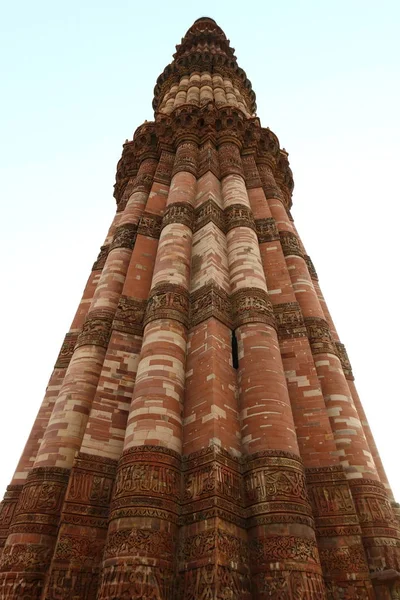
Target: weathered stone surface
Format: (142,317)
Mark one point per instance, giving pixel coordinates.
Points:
(201,435)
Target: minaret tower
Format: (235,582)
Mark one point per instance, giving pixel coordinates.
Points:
(201,436)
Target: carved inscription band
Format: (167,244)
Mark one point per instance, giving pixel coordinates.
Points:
(320,336)
(168,301)
(289,320)
(96,329)
(101,259)
(124,237)
(67,350)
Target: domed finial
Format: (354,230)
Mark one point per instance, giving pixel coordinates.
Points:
(205,19)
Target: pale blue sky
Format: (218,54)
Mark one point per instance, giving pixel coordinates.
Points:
(77,79)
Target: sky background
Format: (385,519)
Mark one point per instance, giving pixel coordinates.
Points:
(77,79)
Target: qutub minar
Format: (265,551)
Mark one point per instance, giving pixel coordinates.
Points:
(201,437)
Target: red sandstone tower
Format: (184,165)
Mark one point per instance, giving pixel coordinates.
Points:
(201,437)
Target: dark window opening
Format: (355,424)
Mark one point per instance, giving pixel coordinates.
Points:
(235,356)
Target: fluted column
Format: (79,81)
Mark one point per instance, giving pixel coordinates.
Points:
(337,525)
(372,505)
(144,514)
(213,556)
(347,370)
(31,539)
(25,463)
(81,540)
(283,549)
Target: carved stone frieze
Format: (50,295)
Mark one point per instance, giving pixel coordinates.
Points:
(214,581)
(179,212)
(289,320)
(163,172)
(129,315)
(208,542)
(101,259)
(319,336)
(208,159)
(140,542)
(344,359)
(186,158)
(269,185)
(91,483)
(266,230)
(147,470)
(230,162)
(209,212)
(210,301)
(238,215)
(7,510)
(290,244)
(310,266)
(67,350)
(67,583)
(343,559)
(380,531)
(78,551)
(252,305)
(251,174)
(288,585)
(150,225)
(168,301)
(283,548)
(96,329)
(137,582)
(124,237)
(25,557)
(274,482)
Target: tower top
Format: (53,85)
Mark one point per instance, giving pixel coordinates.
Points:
(204,49)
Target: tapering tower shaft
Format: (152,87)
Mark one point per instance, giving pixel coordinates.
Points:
(201,436)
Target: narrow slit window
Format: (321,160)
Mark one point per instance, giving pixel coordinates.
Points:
(235,356)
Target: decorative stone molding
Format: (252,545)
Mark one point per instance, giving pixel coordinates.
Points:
(130,315)
(310,266)
(212,487)
(319,335)
(40,502)
(266,230)
(124,237)
(67,350)
(165,165)
(209,212)
(379,525)
(179,212)
(269,185)
(7,511)
(186,157)
(96,329)
(145,474)
(251,174)
(344,359)
(150,225)
(238,215)
(101,259)
(290,244)
(210,301)
(208,159)
(252,305)
(230,161)
(332,503)
(289,319)
(168,301)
